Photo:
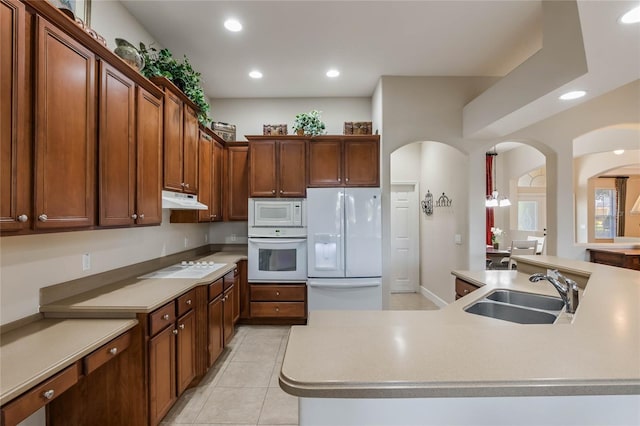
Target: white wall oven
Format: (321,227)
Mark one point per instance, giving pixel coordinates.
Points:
(277,249)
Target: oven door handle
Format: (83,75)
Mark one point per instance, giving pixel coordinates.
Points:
(276,240)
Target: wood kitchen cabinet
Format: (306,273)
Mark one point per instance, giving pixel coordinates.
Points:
(65,136)
(277,168)
(623,258)
(215,321)
(464,287)
(278,303)
(180,139)
(344,161)
(209,182)
(229,306)
(16,159)
(236,185)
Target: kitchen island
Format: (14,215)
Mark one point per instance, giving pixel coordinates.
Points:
(452,367)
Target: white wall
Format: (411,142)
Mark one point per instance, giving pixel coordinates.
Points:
(249,115)
(112,20)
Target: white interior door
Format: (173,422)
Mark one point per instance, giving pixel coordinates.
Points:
(405,232)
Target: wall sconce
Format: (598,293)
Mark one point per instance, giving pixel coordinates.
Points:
(444,201)
(427,203)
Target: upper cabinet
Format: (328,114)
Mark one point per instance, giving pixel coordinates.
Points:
(81,130)
(344,161)
(277,168)
(236,185)
(180,139)
(16,158)
(65,130)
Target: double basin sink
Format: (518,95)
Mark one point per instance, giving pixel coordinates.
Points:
(519,307)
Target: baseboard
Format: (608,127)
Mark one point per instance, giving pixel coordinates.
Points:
(441,303)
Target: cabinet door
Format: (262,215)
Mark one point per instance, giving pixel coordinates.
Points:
(190,138)
(65,123)
(186,351)
(149,159)
(216,182)
(325,163)
(162,374)
(215,329)
(237,188)
(262,169)
(15,160)
(361,163)
(116,148)
(172,142)
(292,168)
(236,298)
(227,315)
(205,173)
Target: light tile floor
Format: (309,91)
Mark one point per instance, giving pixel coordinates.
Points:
(242,387)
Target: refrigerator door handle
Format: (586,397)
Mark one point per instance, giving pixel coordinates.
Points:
(342,286)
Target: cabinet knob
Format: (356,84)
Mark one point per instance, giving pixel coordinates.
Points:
(182,184)
(165,317)
(281,191)
(48,394)
(188,302)
(134,216)
(43,218)
(141,216)
(113,351)
(277,293)
(466,291)
(346,180)
(186,185)
(339,179)
(273,191)
(23,218)
(181,326)
(277,309)
(175,331)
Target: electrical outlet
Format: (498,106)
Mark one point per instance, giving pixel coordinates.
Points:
(458,239)
(234,237)
(86,262)
(186,242)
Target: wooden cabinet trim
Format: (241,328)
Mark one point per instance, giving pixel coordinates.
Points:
(106,353)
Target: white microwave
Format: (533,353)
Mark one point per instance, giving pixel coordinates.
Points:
(278,213)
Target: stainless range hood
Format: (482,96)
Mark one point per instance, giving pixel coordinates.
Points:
(178,201)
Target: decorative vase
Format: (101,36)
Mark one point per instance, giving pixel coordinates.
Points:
(129,54)
(496,245)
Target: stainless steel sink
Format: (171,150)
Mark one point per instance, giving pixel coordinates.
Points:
(529,300)
(511,313)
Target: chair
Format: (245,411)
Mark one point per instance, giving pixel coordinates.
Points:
(519,247)
(540,245)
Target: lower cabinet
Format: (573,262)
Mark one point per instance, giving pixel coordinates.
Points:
(464,287)
(279,302)
(162,376)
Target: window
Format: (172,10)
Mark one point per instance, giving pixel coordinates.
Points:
(605,213)
(527,215)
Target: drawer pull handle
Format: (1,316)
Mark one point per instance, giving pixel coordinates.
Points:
(165,317)
(466,290)
(188,302)
(141,216)
(113,351)
(48,394)
(175,331)
(277,309)
(181,326)
(134,216)
(277,293)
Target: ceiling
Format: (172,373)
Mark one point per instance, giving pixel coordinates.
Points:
(294,43)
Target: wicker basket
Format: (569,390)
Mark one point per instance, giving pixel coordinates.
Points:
(358,128)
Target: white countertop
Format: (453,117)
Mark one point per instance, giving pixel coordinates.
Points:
(451,353)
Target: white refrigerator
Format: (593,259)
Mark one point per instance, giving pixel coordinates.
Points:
(344,249)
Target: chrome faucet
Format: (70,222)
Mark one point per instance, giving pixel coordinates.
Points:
(567,288)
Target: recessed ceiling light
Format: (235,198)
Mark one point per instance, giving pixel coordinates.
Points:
(255,74)
(632,16)
(333,73)
(618,151)
(233,25)
(573,95)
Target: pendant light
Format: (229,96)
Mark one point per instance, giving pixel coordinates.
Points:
(495,200)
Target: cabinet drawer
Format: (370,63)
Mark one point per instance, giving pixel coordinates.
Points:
(40,395)
(106,352)
(463,288)
(186,302)
(278,309)
(612,259)
(215,289)
(270,293)
(162,317)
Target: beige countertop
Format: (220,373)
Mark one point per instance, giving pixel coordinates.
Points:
(134,295)
(451,353)
(40,349)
